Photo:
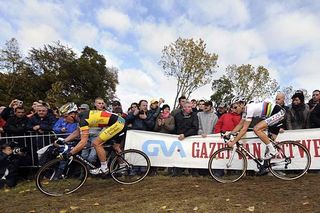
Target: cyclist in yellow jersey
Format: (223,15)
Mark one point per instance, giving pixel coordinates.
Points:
(113,125)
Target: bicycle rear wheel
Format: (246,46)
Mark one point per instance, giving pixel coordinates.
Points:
(59,177)
(291,162)
(227,165)
(130,166)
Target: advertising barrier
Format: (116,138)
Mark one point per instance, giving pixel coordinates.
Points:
(165,150)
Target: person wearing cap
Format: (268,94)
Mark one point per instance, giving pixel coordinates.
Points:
(84,107)
(298,113)
(221,109)
(155,108)
(207,120)
(117,109)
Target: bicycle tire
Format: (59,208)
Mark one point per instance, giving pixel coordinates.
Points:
(292,161)
(130,166)
(218,165)
(58,177)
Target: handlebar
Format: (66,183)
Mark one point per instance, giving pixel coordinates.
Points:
(228,136)
(61,144)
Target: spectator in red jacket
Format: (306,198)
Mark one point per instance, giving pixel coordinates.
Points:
(228,121)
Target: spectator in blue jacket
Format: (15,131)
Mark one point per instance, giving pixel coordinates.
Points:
(65,125)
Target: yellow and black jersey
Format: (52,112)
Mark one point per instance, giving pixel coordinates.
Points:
(96,118)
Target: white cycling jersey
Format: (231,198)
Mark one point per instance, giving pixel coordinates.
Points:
(261,110)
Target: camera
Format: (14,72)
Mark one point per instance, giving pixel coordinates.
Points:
(16,149)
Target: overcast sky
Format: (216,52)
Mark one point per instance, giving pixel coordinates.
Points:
(283,36)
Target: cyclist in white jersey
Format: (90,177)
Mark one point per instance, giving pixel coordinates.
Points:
(272,114)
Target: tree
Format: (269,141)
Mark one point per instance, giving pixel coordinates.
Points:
(188,62)
(244,80)
(85,79)
(55,74)
(11,62)
(10,56)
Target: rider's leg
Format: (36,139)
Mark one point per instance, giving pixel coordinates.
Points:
(98,145)
(259,130)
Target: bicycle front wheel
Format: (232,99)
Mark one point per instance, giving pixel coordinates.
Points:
(291,162)
(130,166)
(227,165)
(59,177)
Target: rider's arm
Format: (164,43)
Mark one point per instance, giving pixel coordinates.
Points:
(75,134)
(243,127)
(239,126)
(82,143)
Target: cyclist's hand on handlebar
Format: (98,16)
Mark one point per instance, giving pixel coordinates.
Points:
(230,143)
(59,141)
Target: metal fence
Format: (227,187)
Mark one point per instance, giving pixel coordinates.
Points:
(32,142)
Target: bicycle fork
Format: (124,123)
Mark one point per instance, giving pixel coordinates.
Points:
(234,149)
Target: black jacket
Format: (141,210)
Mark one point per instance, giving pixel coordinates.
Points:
(16,126)
(4,163)
(46,123)
(186,124)
(315,117)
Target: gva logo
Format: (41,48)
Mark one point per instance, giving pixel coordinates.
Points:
(152,148)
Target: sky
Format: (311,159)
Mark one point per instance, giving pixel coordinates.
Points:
(282,36)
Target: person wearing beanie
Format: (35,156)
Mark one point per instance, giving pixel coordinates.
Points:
(298,113)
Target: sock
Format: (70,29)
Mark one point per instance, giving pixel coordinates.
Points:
(104,165)
(271,147)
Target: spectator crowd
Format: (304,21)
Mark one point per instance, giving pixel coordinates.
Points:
(195,117)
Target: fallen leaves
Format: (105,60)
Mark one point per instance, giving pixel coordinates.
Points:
(165,208)
(250,208)
(74,207)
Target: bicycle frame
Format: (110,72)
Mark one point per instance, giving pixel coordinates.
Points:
(260,162)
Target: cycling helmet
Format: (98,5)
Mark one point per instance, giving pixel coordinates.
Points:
(238,99)
(68,108)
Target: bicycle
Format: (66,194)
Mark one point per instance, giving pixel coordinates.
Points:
(59,177)
(229,164)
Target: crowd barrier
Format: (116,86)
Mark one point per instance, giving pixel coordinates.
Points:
(165,150)
(32,142)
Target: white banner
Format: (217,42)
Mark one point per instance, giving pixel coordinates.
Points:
(165,150)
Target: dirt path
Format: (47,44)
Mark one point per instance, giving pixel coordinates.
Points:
(167,194)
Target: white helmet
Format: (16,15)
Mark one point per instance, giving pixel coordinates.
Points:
(68,108)
(238,99)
